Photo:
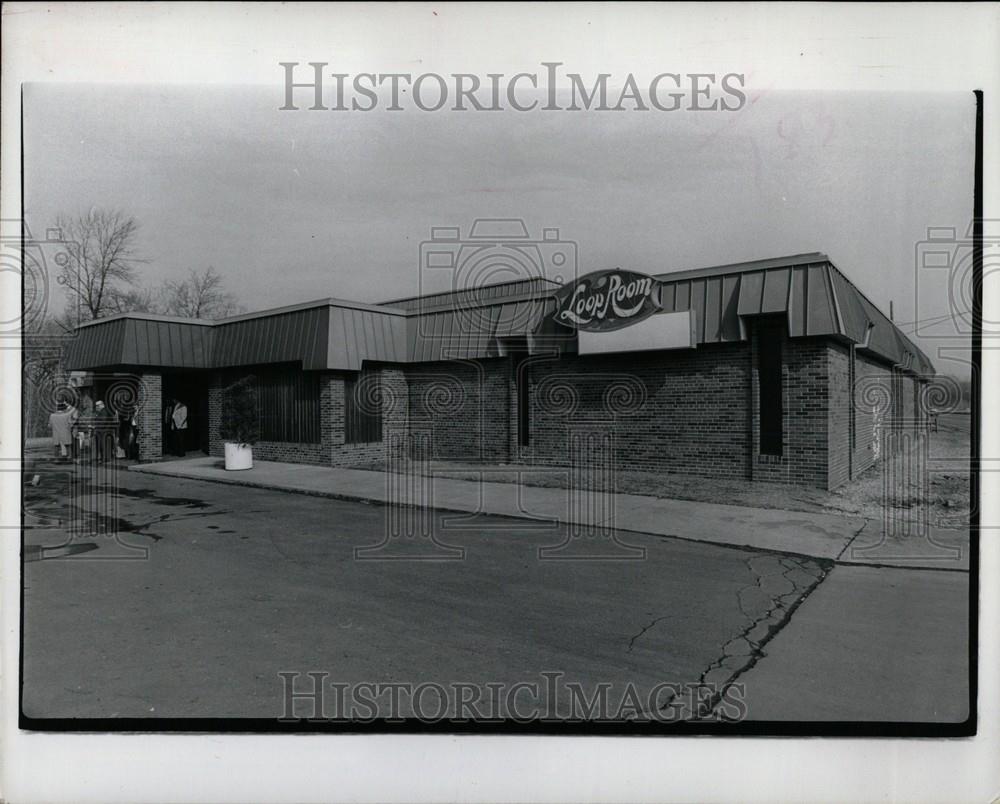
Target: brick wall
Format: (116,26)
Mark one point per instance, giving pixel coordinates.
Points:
(805,400)
(497,394)
(215,386)
(150,417)
(839,415)
(463,406)
(680,411)
(387,389)
(872,409)
(884,400)
(817,386)
(687,411)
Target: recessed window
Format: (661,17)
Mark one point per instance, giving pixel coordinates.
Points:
(288,401)
(770,398)
(362,411)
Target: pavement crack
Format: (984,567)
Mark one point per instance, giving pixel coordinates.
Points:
(790,581)
(631,642)
(852,539)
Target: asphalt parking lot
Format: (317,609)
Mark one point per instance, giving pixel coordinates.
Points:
(199,596)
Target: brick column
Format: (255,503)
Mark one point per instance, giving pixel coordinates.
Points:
(495,394)
(215,445)
(150,417)
(515,452)
(395,417)
(395,407)
(331,414)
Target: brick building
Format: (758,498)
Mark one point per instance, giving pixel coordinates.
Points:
(777,370)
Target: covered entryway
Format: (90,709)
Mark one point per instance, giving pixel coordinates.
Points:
(190,388)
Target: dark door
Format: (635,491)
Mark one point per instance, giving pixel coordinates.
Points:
(191,388)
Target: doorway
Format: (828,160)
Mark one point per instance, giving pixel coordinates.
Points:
(191,388)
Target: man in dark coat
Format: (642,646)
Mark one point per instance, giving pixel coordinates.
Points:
(104,433)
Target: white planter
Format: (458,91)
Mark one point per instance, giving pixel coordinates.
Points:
(238,456)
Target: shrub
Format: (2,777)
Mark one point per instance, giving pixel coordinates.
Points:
(240,415)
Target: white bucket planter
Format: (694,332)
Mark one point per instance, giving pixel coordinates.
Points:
(238,456)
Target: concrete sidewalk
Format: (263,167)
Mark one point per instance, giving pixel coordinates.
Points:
(871,645)
(826,536)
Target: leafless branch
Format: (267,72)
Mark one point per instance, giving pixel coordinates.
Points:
(102,260)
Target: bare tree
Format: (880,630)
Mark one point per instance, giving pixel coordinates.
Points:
(42,361)
(134,300)
(200,295)
(101,264)
(98,275)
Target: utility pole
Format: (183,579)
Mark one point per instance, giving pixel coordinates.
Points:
(891,316)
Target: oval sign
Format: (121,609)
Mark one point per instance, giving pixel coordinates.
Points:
(607,300)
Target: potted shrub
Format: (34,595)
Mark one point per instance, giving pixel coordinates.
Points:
(240,426)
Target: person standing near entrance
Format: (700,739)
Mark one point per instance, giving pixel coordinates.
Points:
(132,448)
(124,434)
(61,423)
(168,427)
(104,433)
(179,423)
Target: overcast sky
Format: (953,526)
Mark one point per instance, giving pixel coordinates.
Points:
(293,206)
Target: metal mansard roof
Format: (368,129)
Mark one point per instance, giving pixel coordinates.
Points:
(808,289)
(816,298)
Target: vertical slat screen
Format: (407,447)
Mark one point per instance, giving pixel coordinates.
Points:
(288,401)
